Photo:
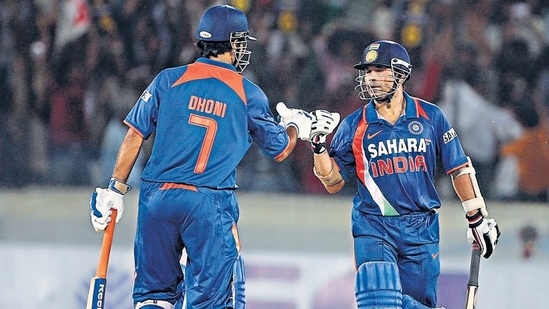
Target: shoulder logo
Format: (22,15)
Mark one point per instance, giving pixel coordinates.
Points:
(370,136)
(449,136)
(146,95)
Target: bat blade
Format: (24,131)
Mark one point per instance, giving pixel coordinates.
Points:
(96,295)
(98,284)
(472,284)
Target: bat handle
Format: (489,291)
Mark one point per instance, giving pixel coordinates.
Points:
(472,285)
(475,265)
(106,246)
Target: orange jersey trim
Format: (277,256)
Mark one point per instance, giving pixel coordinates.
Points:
(196,71)
(172,185)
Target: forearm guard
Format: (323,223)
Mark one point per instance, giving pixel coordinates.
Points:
(478,201)
(333,178)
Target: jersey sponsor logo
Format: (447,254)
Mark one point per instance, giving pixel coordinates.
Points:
(208,106)
(146,95)
(401,156)
(398,165)
(370,136)
(397,146)
(449,136)
(415,127)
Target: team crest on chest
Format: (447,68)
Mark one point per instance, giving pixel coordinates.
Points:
(415,127)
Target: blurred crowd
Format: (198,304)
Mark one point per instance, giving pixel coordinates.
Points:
(70,70)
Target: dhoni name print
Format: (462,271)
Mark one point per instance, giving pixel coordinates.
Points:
(208,106)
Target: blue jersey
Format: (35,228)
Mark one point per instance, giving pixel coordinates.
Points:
(395,165)
(205,116)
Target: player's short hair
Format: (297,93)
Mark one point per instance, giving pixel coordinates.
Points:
(213,49)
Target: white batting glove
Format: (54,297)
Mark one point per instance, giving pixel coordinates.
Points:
(485,232)
(325,122)
(297,118)
(103,200)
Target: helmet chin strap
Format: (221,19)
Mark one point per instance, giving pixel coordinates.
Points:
(387,99)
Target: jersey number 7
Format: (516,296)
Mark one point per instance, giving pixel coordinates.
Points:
(206,149)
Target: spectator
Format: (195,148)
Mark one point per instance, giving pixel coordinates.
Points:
(473,115)
(17,32)
(531,152)
(69,147)
(120,93)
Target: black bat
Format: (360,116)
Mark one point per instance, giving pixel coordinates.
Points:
(472,284)
(98,284)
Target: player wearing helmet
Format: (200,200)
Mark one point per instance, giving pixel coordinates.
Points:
(391,146)
(205,116)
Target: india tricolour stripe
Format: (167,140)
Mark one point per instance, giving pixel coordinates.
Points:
(375,192)
(363,173)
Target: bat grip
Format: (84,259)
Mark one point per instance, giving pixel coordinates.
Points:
(106,245)
(474,266)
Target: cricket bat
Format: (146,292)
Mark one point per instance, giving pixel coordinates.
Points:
(98,284)
(472,285)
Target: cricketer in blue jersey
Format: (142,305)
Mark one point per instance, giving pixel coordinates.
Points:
(391,146)
(205,116)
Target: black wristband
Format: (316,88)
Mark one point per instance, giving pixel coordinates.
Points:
(475,220)
(319,148)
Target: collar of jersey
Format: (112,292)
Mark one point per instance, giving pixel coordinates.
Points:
(216,63)
(409,113)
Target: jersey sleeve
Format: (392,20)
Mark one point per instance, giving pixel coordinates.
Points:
(451,151)
(341,148)
(265,131)
(144,114)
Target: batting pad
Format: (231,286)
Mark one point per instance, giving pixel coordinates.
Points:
(378,286)
(239,284)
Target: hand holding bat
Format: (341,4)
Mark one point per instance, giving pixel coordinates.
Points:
(98,284)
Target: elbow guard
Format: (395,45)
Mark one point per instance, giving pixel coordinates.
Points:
(478,201)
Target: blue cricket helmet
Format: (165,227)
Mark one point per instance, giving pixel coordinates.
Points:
(385,53)
(219,22)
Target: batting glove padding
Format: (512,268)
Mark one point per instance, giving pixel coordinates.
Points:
(324,122)
(485,232)
(297,118)
(103,200)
